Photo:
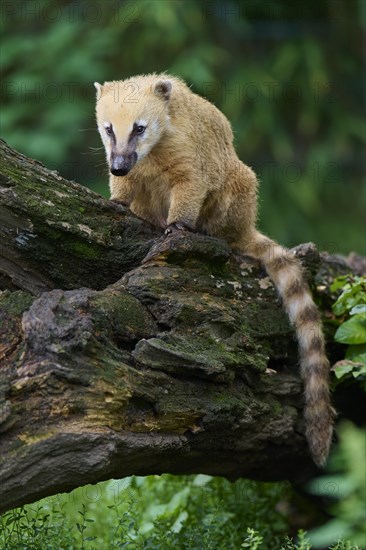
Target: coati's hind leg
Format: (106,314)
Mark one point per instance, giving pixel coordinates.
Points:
(287,274)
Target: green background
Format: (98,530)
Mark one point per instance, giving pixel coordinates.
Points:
(288,75)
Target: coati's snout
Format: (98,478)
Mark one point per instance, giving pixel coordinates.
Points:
(120,165)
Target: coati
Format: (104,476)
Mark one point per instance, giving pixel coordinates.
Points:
(172,161)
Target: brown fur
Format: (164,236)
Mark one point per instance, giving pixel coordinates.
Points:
(185,171)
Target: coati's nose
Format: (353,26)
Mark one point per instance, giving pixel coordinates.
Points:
(121,165)
(119,171)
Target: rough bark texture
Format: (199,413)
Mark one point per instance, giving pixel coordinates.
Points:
(123,352)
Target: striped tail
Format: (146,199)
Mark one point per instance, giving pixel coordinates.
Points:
(287,275)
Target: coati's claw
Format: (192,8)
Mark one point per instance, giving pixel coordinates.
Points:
(177,226)
(123,203)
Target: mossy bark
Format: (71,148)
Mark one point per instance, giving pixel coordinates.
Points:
(123,352)
(58,234)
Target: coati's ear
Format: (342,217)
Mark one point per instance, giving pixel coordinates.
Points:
(163,89)
(99,88)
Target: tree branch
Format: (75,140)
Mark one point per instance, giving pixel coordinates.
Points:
(58,234)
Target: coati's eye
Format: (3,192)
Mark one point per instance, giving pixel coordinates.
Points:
(109,130)
(140,129)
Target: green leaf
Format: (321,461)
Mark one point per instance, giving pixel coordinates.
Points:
(348,300)
(353,294)
(345,367)
(201,479)
(339,307)
(357,353)
(338,283)
(330,532)
(360,371)
(342,368)
(360,308)
(352,331)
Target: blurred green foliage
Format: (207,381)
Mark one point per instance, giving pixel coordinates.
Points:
(346,484)
(153,512)
(197,512)
(287,75)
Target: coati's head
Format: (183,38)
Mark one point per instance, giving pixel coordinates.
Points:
(132,115)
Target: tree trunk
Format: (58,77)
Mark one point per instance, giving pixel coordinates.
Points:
(185,363)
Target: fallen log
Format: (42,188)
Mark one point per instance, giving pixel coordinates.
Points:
(124,352)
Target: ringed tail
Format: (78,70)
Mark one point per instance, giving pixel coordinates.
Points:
(287,275)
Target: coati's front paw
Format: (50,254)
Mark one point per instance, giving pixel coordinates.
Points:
(178,226)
